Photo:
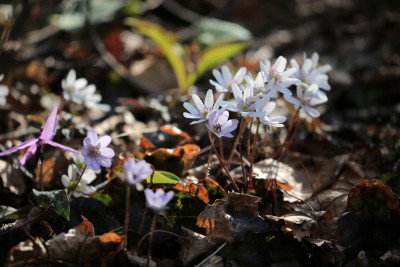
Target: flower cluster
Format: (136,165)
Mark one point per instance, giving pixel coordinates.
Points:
(79,92)
(254,97)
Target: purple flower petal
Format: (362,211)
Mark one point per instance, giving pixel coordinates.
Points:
(19,147)
(92,135)
(50,126)
(65,148)
(104,162)
(107,152)
(28,154)
(105,140)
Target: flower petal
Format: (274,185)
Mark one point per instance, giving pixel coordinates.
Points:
(50,126)
(104,162)
(107,152)
(104,140)
(57,145)
(20,146)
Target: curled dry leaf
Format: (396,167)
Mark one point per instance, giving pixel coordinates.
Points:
(79,245)
(230,218)
(194,245)
(298,225)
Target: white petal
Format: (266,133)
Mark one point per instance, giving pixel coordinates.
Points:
(280,64)
(190,108)
(198,103)
(209,100)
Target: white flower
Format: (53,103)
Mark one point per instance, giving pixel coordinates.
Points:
(246,103)
(310,73)
(278,76)
(307,99)
(83,188)
(3,92)
(78,91)
(220,125)
(271,121)
(257,84)
(201,111)
(224,79)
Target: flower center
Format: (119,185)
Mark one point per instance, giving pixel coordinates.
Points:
(217,128)
(275,75)
(94,151)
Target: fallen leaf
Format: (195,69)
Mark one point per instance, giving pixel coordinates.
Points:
(12,178)
(193,189)
(297,225)
(78,245)
(229,219)
(292,175)
(194,245)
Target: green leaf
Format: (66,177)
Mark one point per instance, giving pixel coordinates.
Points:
(103,197)
(164,177)
(211,32)
(214,56)
(57,198)
(167,43)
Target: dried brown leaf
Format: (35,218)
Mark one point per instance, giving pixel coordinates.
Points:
(230,218)
(194,245)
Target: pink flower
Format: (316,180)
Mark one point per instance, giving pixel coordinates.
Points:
(46,137)
(95,150)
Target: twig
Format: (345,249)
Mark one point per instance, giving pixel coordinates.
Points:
(156,231)
(209,257)
(312,186)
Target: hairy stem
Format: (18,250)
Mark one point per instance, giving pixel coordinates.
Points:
(127,211)
(234,185)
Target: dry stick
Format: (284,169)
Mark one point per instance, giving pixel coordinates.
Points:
(209,257)
(127,211)
(309,180)
(234,185)
(77,181)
